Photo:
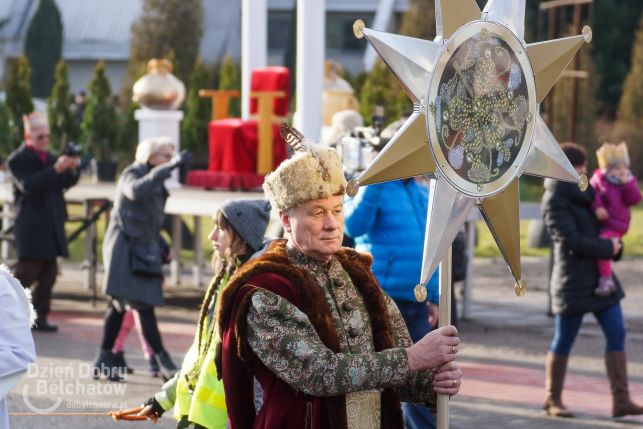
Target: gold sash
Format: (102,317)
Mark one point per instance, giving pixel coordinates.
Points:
(363,410)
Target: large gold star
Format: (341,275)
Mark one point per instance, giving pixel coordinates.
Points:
(476,126)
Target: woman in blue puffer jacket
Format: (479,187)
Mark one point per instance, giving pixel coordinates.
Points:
(388,220)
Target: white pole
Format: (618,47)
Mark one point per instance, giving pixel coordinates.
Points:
(444,319)
(254,46)
(311,32)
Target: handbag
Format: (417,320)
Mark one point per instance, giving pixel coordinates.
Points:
(537,235)
(146,258)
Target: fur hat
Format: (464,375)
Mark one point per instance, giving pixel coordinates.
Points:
(34,120)
(611,153)
(313,172)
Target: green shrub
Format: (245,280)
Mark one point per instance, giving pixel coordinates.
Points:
(62,124)
(99,126)
(19,95)
(43,46)
(194,128)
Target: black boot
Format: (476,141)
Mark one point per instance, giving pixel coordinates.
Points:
(166,365)
(104,366)
(154,367)
(119,362)
(42,325)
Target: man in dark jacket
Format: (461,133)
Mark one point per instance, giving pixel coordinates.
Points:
(39,180)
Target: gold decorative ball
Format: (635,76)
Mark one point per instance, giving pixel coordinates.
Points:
(420,293)
(520,287)
(583,182)
(159,89)
(587,33)
(352,187)
(358,26)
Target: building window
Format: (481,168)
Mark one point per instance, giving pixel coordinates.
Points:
(339,31)
(280,29)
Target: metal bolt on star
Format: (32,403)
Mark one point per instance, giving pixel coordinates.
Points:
(476,127)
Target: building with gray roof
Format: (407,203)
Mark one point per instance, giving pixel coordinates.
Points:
(101,29)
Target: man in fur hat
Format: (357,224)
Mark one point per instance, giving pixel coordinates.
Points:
(39,180)
(308,320)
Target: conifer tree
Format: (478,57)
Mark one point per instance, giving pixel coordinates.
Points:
(629,126)
(165,28)
(128,130)
(19,95)
(230,78)
(381,88)
(630,108)
(43,46)
(194,128)
(419,20)
(614,25)
(6,131)
(62,125)
(99,124)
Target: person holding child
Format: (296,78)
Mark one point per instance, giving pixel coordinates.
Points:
(574,229)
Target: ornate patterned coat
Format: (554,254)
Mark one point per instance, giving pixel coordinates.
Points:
(324,342)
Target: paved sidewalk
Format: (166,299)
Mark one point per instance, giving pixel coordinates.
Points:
(502,358)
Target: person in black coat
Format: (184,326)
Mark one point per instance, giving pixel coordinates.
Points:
(574,230)
(39,181)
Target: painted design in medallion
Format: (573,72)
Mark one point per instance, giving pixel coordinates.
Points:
(481,110)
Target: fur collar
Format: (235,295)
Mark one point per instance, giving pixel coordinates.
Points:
(310,300)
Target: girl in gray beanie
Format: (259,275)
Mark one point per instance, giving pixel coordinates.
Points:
(195,392)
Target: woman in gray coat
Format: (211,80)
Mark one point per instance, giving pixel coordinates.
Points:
(133,251)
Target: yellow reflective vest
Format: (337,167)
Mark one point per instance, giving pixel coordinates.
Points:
(199,394)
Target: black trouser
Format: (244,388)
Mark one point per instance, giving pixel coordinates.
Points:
(114,319)
(42,274)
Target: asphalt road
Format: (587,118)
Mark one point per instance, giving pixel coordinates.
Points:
(503,353)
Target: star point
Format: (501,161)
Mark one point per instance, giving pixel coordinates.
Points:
(476,128)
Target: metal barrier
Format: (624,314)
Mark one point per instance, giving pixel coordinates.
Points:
(92,210)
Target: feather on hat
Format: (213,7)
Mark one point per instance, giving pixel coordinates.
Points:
(313,172)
